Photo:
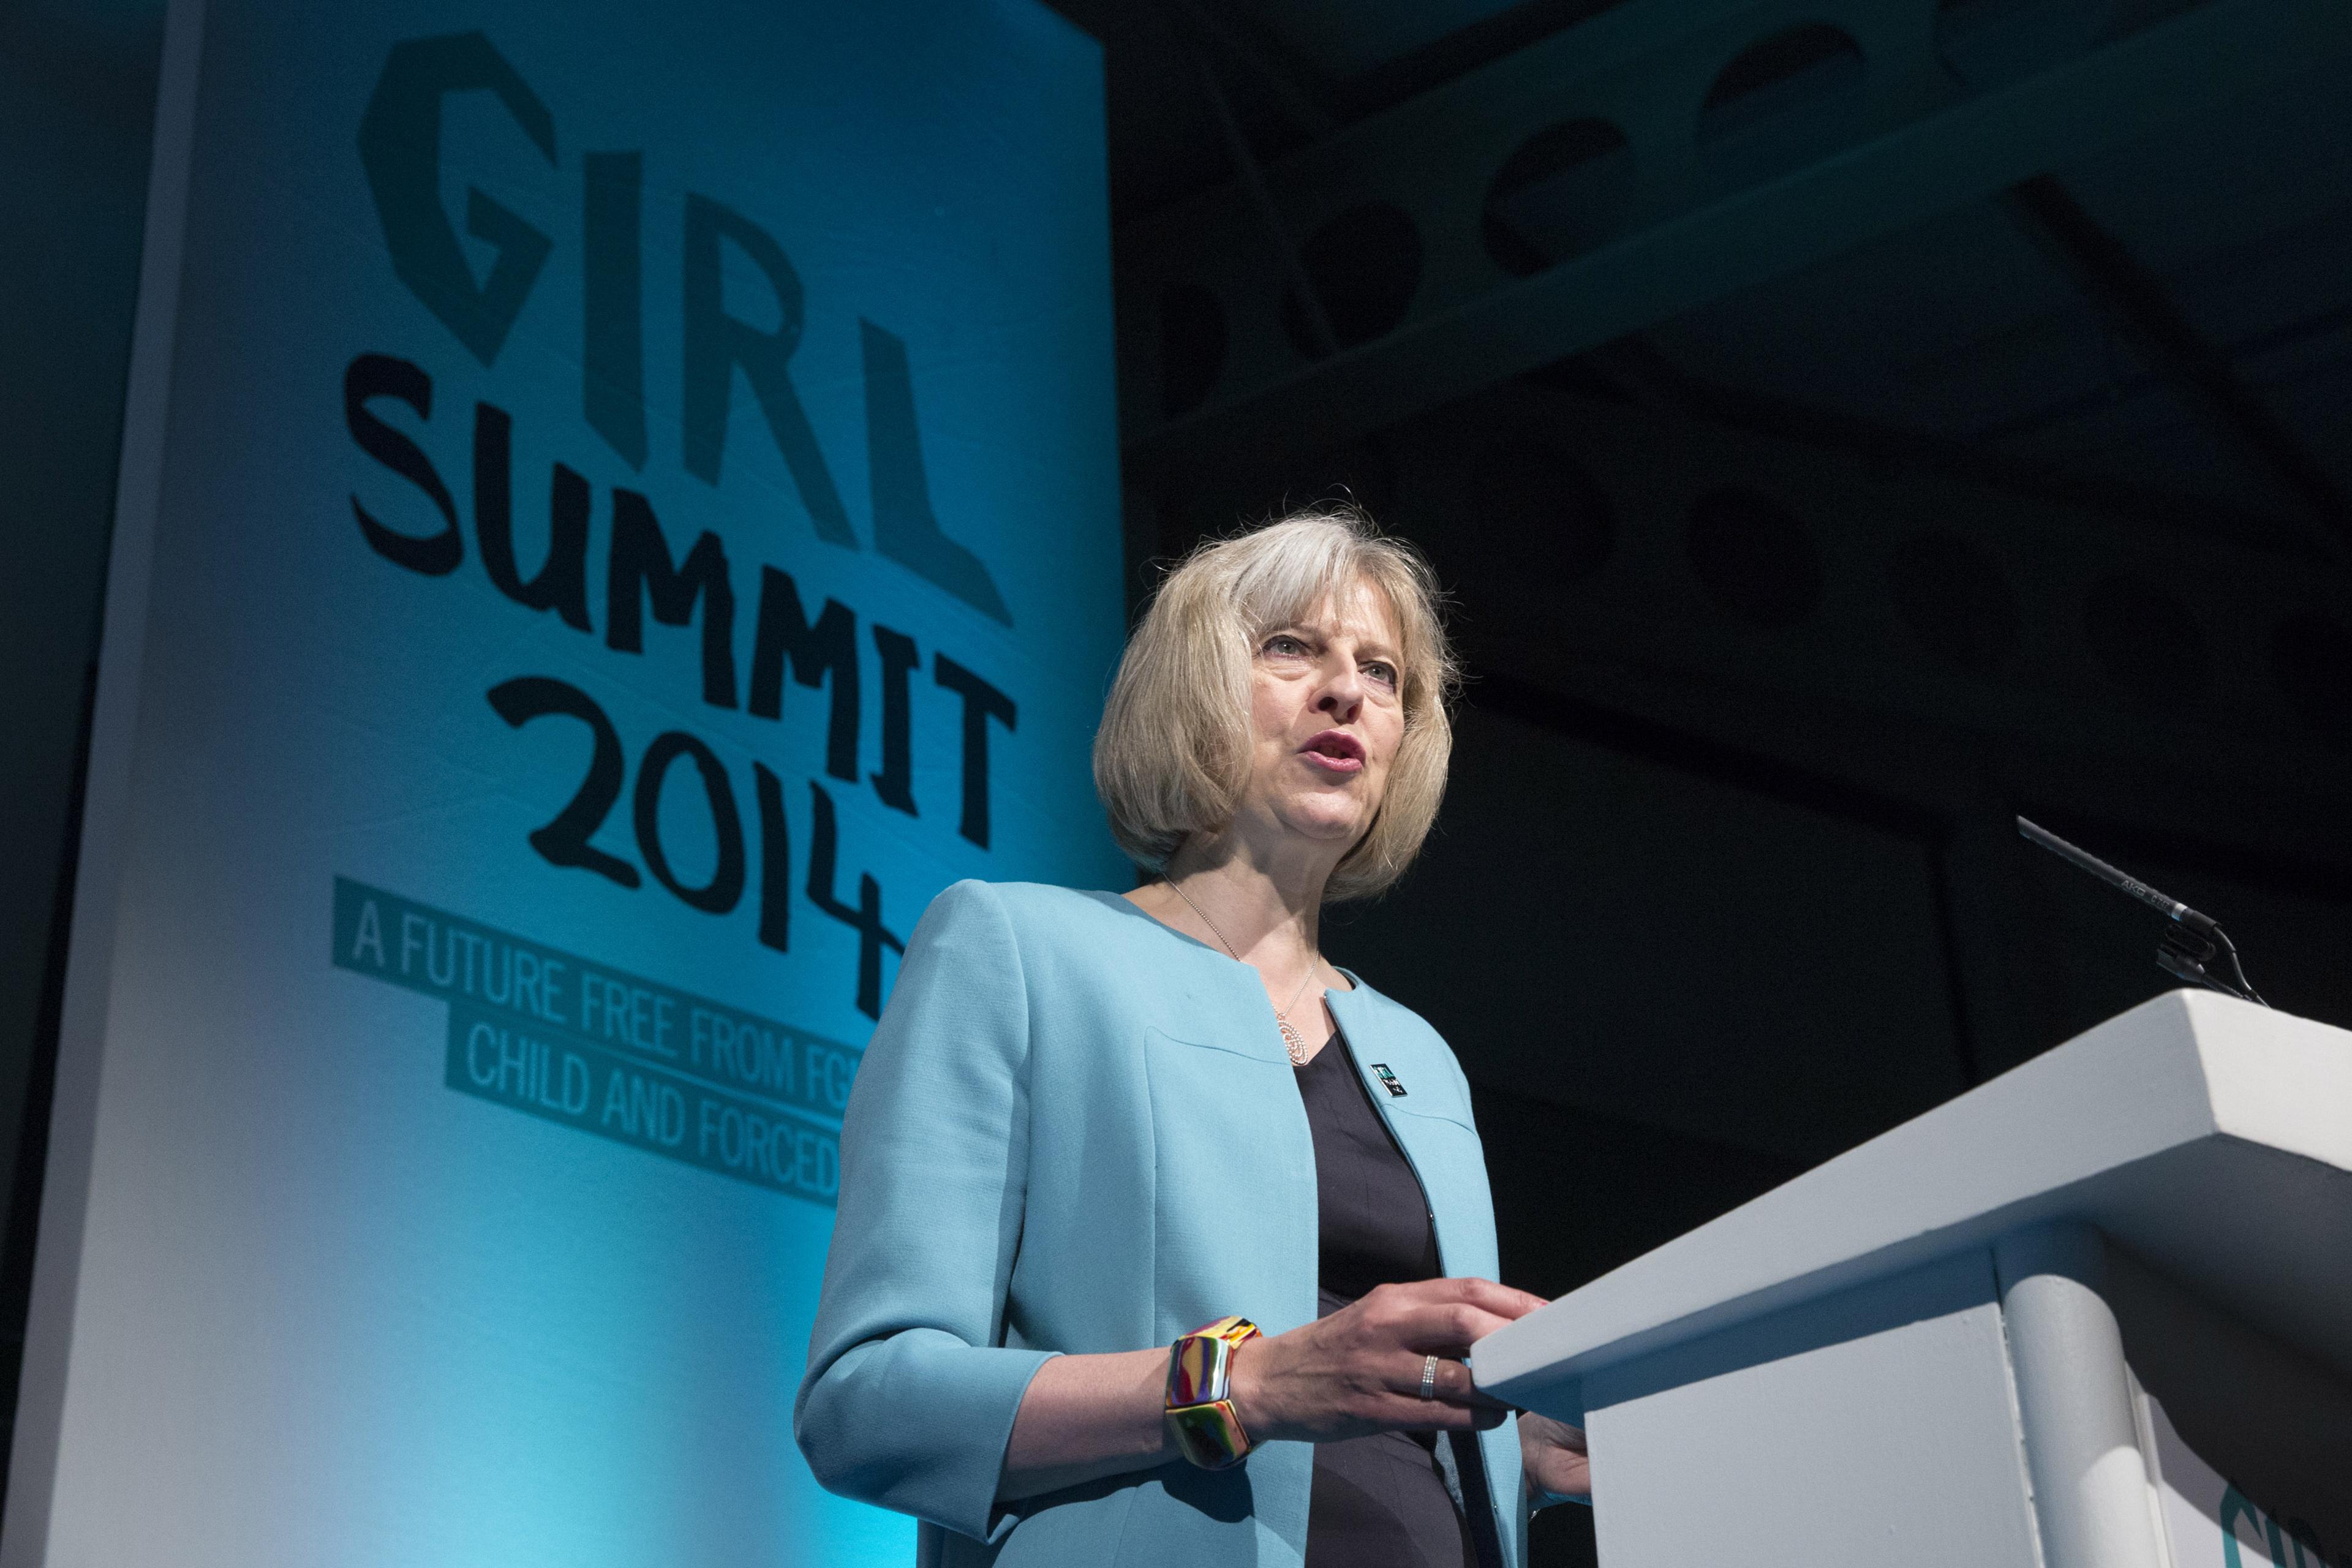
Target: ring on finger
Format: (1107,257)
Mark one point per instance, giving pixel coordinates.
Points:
(1429,1377)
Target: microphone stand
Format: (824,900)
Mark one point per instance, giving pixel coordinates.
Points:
(2190,944)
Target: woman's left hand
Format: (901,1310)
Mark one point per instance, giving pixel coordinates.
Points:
(1552,1453)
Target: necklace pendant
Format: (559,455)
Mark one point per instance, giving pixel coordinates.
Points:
(1292,1040)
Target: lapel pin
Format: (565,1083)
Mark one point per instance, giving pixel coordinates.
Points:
(1388,1080)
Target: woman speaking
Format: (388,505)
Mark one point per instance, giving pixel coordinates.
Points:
(1159,1236)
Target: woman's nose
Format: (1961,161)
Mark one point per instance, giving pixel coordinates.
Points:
(1343,694)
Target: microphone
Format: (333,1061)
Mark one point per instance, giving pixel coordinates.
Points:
(2170,907)
(2181,953)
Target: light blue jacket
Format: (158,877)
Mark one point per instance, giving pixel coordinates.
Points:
(1076,1130)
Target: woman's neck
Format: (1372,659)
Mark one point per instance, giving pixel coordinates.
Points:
(1266,906)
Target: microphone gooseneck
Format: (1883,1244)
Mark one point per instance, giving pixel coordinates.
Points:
(2185,951)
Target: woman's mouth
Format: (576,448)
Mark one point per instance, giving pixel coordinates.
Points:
(1335,751)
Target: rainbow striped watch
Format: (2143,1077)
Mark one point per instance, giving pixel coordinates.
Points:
(1200,1416)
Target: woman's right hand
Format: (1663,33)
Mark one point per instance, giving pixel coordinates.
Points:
(1358,1371)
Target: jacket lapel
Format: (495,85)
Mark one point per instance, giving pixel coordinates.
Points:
(1418,1093)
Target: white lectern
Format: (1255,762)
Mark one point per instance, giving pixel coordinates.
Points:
(2095,1313)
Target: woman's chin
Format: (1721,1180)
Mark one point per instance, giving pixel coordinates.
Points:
(1326,821)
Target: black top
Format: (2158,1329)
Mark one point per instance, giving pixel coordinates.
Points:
(1379,1501)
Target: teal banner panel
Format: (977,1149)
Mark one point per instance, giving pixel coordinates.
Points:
(620,508)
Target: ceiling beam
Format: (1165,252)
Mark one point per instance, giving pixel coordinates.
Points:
(1695,232)
(1305,109)
(2142,313)
(1636,370)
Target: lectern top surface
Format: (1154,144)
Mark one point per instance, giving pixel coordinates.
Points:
(2211,1137)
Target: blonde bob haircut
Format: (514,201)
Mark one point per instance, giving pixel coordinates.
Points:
(1172,757)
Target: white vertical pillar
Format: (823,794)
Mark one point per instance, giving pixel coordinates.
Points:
(2074,1395)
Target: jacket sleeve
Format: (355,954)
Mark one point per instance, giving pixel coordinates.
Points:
(908,1398)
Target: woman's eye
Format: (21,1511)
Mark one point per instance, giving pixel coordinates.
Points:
(1385,674)
(1285,645)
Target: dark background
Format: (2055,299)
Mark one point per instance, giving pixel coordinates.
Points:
(1843,426)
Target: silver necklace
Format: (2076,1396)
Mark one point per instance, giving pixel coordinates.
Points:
(1292,1040)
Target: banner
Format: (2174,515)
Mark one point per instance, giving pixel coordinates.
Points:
(619,508)
(2208,1522)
